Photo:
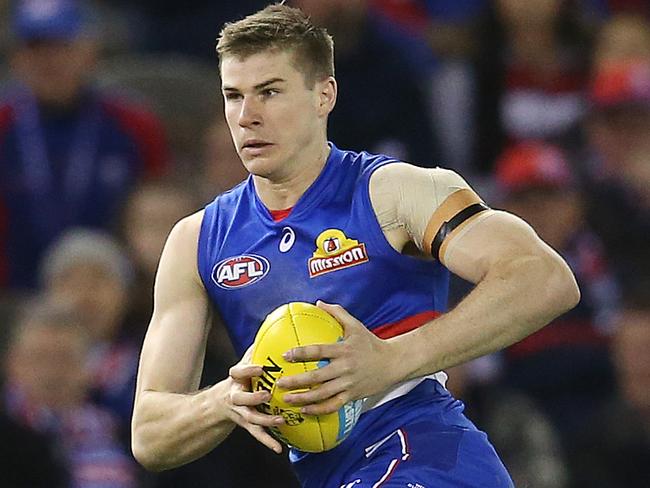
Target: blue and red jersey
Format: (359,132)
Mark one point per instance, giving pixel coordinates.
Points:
(329,247)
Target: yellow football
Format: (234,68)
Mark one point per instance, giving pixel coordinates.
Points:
(291,325)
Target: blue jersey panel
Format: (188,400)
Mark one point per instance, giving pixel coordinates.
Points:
(420,440)
(330,247)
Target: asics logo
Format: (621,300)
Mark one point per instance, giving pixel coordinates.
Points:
(287,239)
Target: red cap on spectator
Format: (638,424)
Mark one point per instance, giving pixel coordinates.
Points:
(617,84)
(533,164)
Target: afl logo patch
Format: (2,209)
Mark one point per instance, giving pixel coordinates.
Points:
(240,271)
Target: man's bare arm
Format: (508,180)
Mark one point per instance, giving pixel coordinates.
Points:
(173,423)
(522,284)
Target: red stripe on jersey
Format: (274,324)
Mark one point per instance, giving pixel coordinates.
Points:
(405,325)
(279,215)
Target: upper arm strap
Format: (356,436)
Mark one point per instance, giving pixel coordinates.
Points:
(448,226)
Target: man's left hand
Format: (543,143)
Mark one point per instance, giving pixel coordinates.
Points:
(357,368)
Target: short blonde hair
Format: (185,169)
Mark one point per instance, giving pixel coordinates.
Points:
(283,28)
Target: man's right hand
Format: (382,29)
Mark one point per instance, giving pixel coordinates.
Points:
(241,403)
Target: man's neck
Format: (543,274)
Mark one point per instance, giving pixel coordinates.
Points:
(284,192)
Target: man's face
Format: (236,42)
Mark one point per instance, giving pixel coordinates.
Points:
(271,112)
(95,293)
(55,70)
(618,132)
(48,364)
(531,13)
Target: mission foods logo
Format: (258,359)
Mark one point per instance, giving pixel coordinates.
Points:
(335,251)
(240,271)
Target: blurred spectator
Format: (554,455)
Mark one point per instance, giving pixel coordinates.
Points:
(28,459)
(638,6)
(47,386)
(221,167)
(532,70)
(437,38)
(189,27)
(623,38)
(381,105)
(149,215)
(613,451)
(565,366)
(91,272)
(69,153)
(184,93)
(521,433)
(618,162)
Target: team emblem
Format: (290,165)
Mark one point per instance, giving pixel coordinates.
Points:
(335,251)
(240,271)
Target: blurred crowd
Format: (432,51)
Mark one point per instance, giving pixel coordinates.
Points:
(111,130)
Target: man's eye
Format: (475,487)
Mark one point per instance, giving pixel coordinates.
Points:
(269,92)
(233,96)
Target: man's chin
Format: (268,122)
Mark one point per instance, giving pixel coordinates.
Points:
(260,166)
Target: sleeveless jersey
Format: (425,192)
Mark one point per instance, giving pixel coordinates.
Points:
(330,247)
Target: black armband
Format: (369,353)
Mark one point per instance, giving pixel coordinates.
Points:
(447,227)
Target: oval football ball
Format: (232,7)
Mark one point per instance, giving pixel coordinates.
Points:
(291,325)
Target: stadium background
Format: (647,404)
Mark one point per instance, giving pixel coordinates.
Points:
(542,105)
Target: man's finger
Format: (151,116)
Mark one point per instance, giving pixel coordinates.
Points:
(247,399)
(340,314)
(315,352)
(316,395)
(241,372)
(331,405)
(252,416)
(310,378)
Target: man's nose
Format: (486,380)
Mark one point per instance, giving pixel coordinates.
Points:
(249,113)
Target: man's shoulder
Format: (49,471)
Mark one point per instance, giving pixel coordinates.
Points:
(187,229)
(408,173)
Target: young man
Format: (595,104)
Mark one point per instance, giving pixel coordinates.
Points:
(302,193)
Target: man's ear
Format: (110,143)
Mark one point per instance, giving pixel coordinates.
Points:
(327,90)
